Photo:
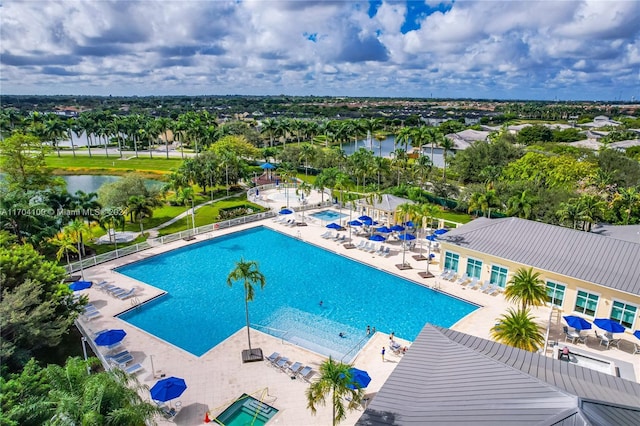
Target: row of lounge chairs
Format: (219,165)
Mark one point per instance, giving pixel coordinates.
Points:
(116,291)
(371,248)
(91,312)
(472,283)
(339,238)
(296,369)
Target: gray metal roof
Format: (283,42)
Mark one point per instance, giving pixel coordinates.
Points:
(587,256)
(388,202)
(453,378)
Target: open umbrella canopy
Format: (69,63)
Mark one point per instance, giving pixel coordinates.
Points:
(285,211)
(355,223)
(363,218)
(397,228)
(167,389)
(432,238)
(334,225)
(267,166)
(377,237)
(110,337)
(609,325)
(440,231)
(410,224)
(578,323)
(80,285)
(359,379)
(637,333)
(383,229)
(407,237)
(369,222)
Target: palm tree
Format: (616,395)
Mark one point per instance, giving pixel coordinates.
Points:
(592,208)
(305,189)
(484,201)
(140,208)
(627,199)
(269,126)
(527,288)
(334,379)
(447,146)
(518,329)
(249,274)
(520,205)
(307,151)
(65,243)
(110,219)
(570,212)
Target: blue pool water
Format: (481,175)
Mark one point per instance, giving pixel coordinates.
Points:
(201,310)
(328,215)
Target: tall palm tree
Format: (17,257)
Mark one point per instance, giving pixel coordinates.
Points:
(307,151)
(334,380)
(247,272)
(526,287)
(570,212)
(139,208)
(447,146)
(269,126)
(521,205)
(592,207)
(65,243)
(305,189)
(484,201)
(518,329)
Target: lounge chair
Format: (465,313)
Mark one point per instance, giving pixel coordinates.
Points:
(282,363)
(133,369)
(372,249)
(101,285)
(379,251)
(444,273)
(387,252)
(307,377)
(271,359)
(326,234)
(463,279)
(295,368)
(126,295)
(91,315)
(636,348)
(361,245)
(304,371)
(485,286)
(473,283)
(122,361)
(108,287)
(342,238)
(493,289)
(336,237)
(365,247)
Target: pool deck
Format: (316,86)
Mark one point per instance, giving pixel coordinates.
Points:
(218,377)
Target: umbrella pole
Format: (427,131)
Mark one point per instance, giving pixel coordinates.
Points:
(153,370)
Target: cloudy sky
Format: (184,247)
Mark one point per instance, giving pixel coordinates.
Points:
(588,50)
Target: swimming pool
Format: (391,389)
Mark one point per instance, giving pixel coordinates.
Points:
(200,310)
(328,215)
(246,410)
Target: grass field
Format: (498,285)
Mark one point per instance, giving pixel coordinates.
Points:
(112,165)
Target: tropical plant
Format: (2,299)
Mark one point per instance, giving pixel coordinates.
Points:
(527,288)
(334,381)
(249,274)
(521,205)
(65,243)
(139,208)
(484,201)
(518,329)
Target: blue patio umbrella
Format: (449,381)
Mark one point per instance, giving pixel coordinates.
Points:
(267,166)
(609,325)
(334,225)
(285,211)
(355,223)
(407,237)
(440,231)
(410,224)
(167,389)
(80,285)
(110,337)
(397,228)
(383,229)
(360,379)
(432,238)
(576,322)
(377,237)
(364,218)
(637,333)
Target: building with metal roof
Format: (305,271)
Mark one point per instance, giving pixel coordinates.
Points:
(452,378)
(587,273)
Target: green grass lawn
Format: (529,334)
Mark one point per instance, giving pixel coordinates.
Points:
(112,164)
(455,216)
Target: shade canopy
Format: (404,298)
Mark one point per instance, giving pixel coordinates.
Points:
(578,323)
(637,333)
(110,337)
(369,222)
(432,238)
(397,228)
(267,166)
(363,218)
(609,325)
(359,379)
(407,237)
(440,231)
(410,224)
(355,223)
(167,389)
(334,225)
(377,237)
(80,285)
(383,229)
(285,211)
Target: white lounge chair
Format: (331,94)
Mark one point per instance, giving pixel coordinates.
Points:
(379,251)
(326,234)
(133,369)
(485,286)
(463,279)
(92,315)
(361,245)
(387,252)
(126,295)
(473,283)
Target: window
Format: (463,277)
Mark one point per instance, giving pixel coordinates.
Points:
(451,261)
(499,275)
(474,268)
(586,303)
(623,313)
(555,293)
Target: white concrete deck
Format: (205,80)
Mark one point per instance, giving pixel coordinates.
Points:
(217,378)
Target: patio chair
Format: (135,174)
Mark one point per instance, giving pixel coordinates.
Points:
(444,273)
(475,283)
(570,335)
(326,234)
(91,315)
(606,340)
(387,252)
(367,246)
(295,368)
(493,289)
(271,359)
(282,363)
(126,295)
(636,348)
(463,279)
(372,249)
(379,251)
(133,369)
(361,245)
(304,371)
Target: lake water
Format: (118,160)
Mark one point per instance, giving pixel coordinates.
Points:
(386,147)
(91,183)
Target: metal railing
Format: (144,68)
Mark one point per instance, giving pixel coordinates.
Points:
(356,348)
(278,332)
(158,241)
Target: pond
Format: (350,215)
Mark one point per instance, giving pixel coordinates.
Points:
(386,147)
(91,183)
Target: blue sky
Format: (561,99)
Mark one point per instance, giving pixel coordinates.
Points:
(565,50)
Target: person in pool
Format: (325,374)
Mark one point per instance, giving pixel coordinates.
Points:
(341,334)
